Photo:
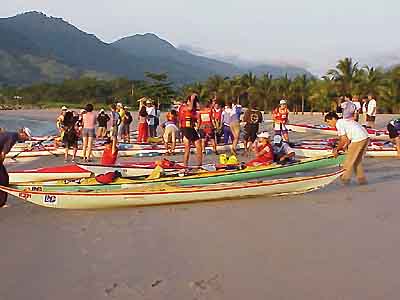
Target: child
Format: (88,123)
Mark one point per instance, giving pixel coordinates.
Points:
(110,153)
(264,151)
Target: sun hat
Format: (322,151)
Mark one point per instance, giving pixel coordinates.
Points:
(263,135)
(277,139)
(64,108)
(283,101)
(27,131)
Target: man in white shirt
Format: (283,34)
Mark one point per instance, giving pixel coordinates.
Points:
(355,138)
(371,111)
(151,112)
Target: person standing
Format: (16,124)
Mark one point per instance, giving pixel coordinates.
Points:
(7,141)
(206,128)
(60,120)
(252,119)
(357,104)
(394,133)
(143,126)
(102,120)
(88,132)
(354,138)
(348,108)
(364,106)
(122,115)
(71,136)
(115,122)
(371,112)
(190,136)
(226,121)
(127,124)
(151,120)
(217,121)
(280,116)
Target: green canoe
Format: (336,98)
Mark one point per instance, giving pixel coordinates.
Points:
(202,178)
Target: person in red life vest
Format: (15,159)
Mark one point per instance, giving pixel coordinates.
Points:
(110,153)
(217,121)
(188,120)
(280,116)
(206,127)
(143,127)
(264,151)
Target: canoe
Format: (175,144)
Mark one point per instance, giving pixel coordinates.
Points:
(325,129)
(128,169)
(46,174)
(201,178)
(320,150)
(166,194)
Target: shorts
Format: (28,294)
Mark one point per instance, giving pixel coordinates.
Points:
(114,131)
(170,133)
(370,118)
(88,132)
(250,133)
(280,129)
(207,133)
(125,129)
(393,132)
(101,131)
(190,134)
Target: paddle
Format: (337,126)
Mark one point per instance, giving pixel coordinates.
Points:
(34,145)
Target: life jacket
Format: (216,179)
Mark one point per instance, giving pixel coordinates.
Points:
(170,117)
(205,118)
(188,118)
(281,115)
(108,157)
(268,156)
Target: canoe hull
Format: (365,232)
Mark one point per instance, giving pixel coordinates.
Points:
(168,195)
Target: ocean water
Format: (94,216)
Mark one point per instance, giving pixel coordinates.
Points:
(38,127)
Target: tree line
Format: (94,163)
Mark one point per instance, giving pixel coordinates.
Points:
(302,92)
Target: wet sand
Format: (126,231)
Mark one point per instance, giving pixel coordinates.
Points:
(340,242)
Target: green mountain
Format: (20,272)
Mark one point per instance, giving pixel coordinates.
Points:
(34,48)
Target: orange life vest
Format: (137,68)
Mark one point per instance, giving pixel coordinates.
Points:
(281,115)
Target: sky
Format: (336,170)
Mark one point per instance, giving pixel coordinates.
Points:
(309,33)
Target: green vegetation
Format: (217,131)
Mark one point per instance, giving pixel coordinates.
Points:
(304,93)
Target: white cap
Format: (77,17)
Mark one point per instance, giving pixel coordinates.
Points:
(263,135)
(27,131)
(126,107)
(283,101)
(64,108)
(101,110)
(82,111)
(119,104)
(277,139)
(148,101)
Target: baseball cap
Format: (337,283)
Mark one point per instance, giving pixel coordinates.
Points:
(263,135)
(27,131)
(64,108)
(283,101)
(119,104)
(277,139)
(101,110)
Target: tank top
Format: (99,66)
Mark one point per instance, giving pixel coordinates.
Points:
(205,117)
(89,120)
(108,157)
(189,118)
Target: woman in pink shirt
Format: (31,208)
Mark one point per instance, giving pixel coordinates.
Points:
(88,132)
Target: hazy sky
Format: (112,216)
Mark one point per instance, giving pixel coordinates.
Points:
(309,33)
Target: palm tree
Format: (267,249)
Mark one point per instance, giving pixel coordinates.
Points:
(345,75)
(265,90)
(302,86)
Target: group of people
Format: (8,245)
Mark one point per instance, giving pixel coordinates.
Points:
(363,112)
(73,127)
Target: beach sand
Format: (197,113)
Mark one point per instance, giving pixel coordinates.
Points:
(340,242)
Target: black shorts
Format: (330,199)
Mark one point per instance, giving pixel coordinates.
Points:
(393,132)
(190,134)
(207,133)
(250,133)
(370,118)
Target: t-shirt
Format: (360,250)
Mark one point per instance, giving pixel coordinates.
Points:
(102,119)
(7,141)
(371,110)
(115,119)
(358,106)
(353,130)
(348,109)
(282,149)
(252,117)
(395,123)
(151,111)
(89,120)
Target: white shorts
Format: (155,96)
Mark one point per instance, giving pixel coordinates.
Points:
(170,133)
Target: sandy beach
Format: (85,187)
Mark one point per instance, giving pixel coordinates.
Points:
(340,242)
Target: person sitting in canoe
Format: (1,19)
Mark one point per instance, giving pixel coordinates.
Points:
(110,153)
(280,116)
(263,150)
(394,133)
(7,141)
(282,151)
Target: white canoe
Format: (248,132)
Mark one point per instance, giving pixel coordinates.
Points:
(324,129)
(47,174)
(165,194)
(316,151)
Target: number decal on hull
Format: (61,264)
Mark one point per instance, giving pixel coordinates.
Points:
(24,195)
